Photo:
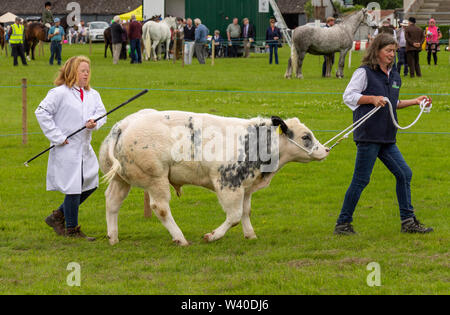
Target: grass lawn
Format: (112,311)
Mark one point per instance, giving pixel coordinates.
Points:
(295,252)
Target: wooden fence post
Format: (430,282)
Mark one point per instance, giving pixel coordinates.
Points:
(213,52)
(174,48)
(182,53)
(41,47)
(350,59)
(24,112)
(147,210)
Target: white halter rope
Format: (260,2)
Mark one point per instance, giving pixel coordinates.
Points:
(423,108)
(309,152)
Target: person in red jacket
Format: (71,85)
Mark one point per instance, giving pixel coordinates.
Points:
(135,35)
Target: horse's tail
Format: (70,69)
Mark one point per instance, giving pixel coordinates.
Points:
(147,41)
(294,56)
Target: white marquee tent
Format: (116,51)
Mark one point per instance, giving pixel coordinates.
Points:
(7,18)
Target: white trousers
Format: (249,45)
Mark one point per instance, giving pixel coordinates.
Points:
(188,52)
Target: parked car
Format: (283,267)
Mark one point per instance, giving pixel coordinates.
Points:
(96,29)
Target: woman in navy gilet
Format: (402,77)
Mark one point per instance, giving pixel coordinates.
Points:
(376,138)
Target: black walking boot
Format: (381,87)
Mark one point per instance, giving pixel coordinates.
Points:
(412,225)
(344,229)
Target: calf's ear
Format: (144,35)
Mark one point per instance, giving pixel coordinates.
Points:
(277,121)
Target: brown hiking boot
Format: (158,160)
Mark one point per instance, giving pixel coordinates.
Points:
(56,221)
(76,233)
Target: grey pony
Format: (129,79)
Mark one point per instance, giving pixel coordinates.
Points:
(325,41)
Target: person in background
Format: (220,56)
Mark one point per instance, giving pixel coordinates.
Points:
(56,36)
(401,52)
(189,41)
(330,22)
(16,36)
(178,36)
(414,39)
(135,35)
(116,38)
(433,35)
(387,28)
(124,49)
(72,165)
(248,34)
(72,35)
(82,33)
(201,39)
(47,16)
(217,42)
(370,84)
(273,36)
(234,37)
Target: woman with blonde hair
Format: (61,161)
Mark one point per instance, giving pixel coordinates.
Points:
(72,165)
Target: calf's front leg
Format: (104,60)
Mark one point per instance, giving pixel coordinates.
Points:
(232,204)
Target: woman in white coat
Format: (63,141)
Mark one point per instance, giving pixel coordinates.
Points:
(72,165)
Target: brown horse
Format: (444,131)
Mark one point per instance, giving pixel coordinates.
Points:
(34,32)
(2,37)
(108,40)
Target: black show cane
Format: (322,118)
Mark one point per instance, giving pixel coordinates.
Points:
(97,119)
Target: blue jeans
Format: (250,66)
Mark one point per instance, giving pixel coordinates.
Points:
(402,60)
(366,156)
(324,66)
(55,49)
(135,50)
(70,207)
(273,49)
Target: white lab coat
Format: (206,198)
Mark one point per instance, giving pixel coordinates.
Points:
(59,114)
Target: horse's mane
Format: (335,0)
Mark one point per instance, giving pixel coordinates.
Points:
(348,16)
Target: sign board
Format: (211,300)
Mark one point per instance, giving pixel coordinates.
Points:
(263,6)
(152,7)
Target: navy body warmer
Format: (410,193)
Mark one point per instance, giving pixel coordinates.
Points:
(378,128)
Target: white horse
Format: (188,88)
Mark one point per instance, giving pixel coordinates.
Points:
(153,34)
(325,41)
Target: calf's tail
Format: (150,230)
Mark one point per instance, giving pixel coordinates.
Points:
(109,164)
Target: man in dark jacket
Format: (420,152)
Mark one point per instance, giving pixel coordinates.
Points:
(248,34)
(135,34)
(414,38)
(116,38)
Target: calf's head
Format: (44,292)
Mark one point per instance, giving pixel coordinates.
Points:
(299,144)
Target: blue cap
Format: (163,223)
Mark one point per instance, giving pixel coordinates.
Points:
(57,20)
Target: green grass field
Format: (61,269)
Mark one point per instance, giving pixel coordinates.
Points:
(295,252)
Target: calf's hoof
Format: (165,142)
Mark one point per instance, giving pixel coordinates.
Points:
(209,237)
(181,242)
(112,241)
(251,237)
